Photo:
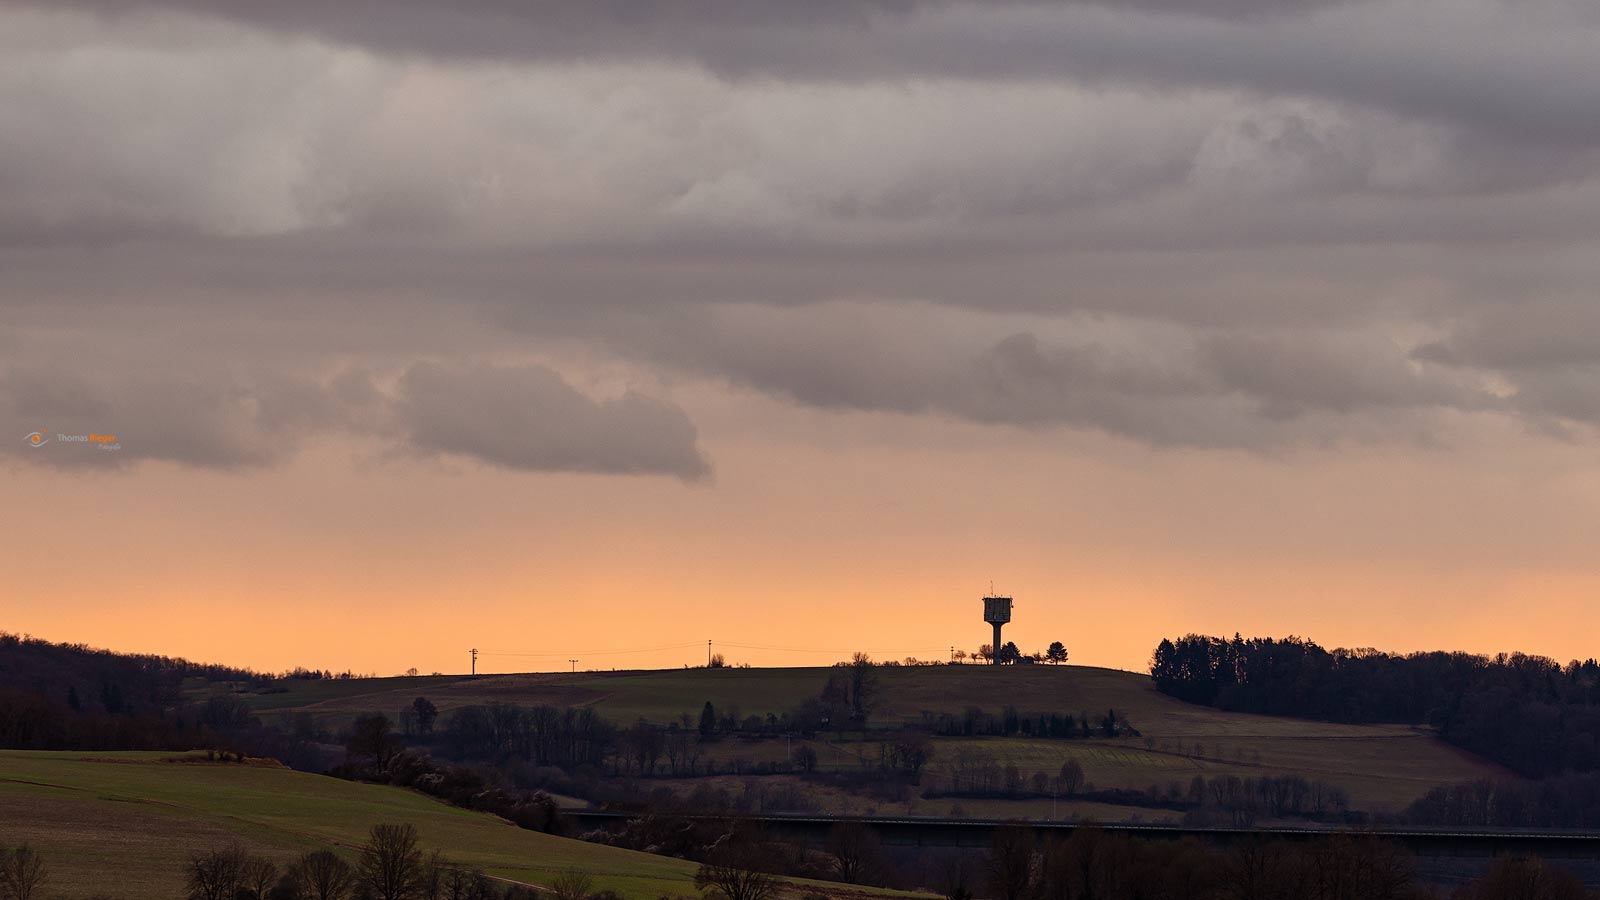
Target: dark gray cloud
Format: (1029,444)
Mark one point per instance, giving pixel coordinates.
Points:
(523,418)
(1153,383)
(528,418)
(1522,70)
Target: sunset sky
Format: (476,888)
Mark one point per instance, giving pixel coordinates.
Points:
(566,329)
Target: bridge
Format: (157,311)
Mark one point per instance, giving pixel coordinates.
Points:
(932,831)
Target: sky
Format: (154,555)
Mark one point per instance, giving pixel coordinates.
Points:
(359,335)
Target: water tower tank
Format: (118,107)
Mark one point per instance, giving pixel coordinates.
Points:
(997,612)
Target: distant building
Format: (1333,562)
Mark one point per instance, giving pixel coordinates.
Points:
(997,612)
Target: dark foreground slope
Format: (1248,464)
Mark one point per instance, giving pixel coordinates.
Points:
(123,824)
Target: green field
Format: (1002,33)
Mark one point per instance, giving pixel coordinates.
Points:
(123,824)
(1383,767)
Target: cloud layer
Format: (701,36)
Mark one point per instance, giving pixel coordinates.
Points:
(1230,224)
(513,417)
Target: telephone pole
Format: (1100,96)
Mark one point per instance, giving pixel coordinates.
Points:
(474,660)
(574,666)
(708,654)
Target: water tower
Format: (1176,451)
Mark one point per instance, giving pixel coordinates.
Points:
(997,612)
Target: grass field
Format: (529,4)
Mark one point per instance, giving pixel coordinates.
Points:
(122,825)
(1383,767)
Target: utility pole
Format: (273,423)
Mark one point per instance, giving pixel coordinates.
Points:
(574,666)
(708,654)
(474,660)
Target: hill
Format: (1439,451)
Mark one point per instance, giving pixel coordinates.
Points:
(1383,767)
(124,823)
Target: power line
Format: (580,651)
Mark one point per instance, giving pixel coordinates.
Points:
(561,653)
(834,649)
(619,651)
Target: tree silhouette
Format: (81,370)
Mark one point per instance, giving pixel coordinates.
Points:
(391,862)
(22,871)
(426,713)
(322,875)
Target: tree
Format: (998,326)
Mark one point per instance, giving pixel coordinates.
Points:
(1524,878)
(1010,863)
(1070,781)
(910,750)
(572,885)
(22,872)
(731,867)
(1057,653)
(434,877)
(425,712)
(372,739)
(708,720)
(805,759)
(863,687)
(856,850)
(960,656)
(323,876)
(257,874)
(1009,654)
(391,862)
(215,875)
(984,652)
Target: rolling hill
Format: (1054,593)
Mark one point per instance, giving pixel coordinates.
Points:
(122,824)
(1383,767)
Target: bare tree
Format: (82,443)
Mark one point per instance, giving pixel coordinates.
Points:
(1070,781)
(863,687)
(733,868)
(1010,864)
(805,758)
(371,739)
(425,712)
(323,876)
(856,850)
(257,874)
(215,875)
(1517,877)
(433,882)
(22,872)
(572,885)
(391,863)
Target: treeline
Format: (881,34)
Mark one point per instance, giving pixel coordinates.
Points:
(221,723)
(567,738)
(391,865)
(975,722)
(74,697)
(1087,864)
(1528,713)
(1563,801)
(1091,863)
(1220,800)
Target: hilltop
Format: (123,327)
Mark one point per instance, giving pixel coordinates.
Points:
(1383,767)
